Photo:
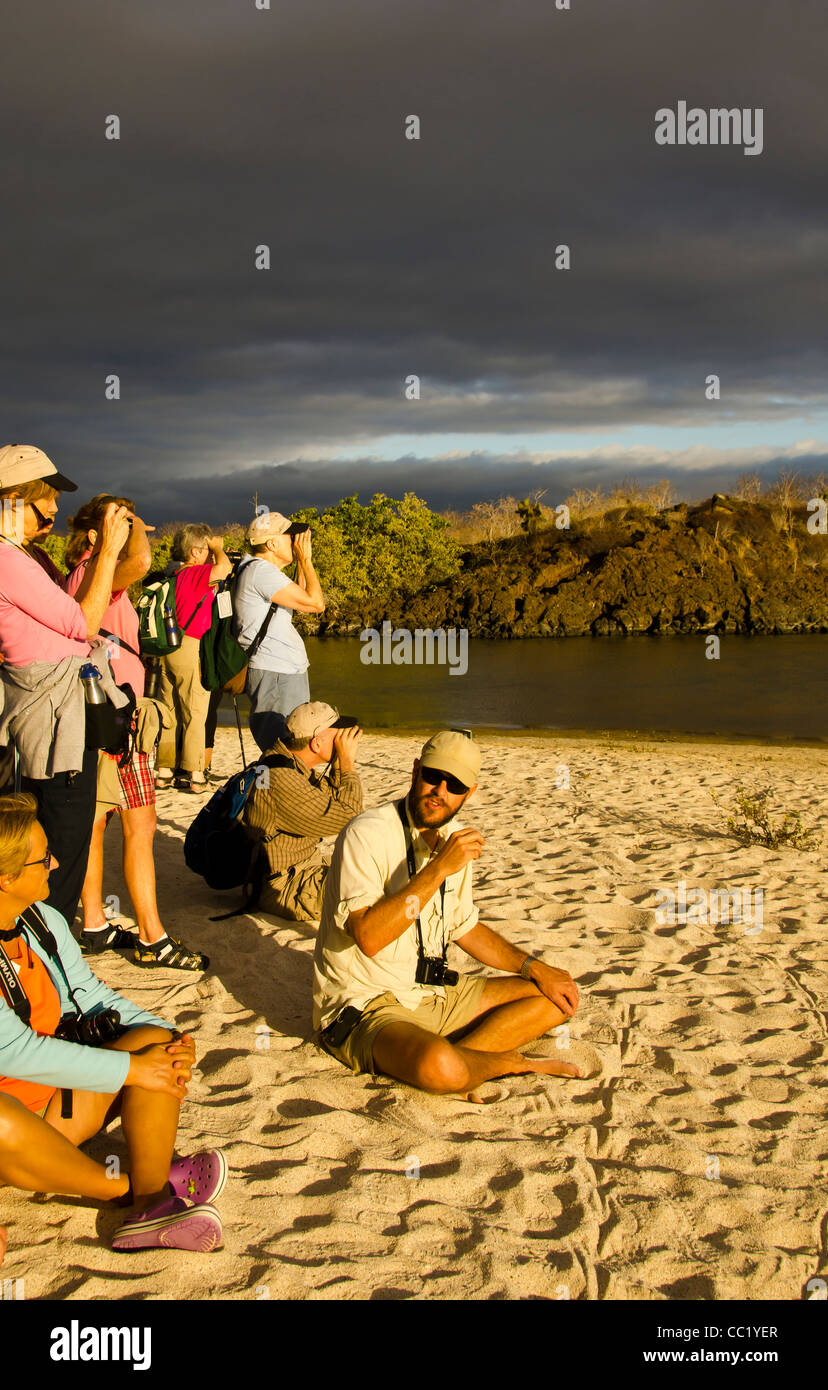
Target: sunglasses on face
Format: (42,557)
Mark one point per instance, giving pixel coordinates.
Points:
(433,776)
(45,861)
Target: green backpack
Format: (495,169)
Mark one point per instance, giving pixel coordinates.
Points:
(157,594)
(223,660)
(220,655)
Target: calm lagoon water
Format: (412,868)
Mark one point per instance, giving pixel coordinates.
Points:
(760,687)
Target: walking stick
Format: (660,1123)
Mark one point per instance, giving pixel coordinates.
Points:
(239,727)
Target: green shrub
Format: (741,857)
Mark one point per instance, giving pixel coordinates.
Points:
(380,548)
(752,825)
(55,547)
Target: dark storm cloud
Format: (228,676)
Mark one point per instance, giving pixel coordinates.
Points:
(391,257)
(454,483)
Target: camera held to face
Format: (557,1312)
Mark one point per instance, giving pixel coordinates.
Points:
(431,970)
(91,1030)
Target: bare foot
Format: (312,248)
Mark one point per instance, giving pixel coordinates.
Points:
(523,1066)
(552,1068)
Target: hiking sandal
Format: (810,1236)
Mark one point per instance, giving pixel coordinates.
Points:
(186,784)
(112,937)
(171,954)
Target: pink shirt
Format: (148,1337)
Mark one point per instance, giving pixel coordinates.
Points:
(121,620)
(38,621)
(191,584)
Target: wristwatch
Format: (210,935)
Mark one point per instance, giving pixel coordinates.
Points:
(524,969)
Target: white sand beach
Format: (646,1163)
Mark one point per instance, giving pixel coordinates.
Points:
(689,1163)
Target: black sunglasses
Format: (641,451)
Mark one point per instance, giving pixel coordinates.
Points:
(434,776)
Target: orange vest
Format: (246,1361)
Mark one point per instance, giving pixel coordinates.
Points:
(45,1005)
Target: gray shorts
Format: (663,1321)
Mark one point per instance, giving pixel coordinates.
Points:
(273,695)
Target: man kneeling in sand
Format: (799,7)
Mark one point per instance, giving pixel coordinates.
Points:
(297,805)
(399,889)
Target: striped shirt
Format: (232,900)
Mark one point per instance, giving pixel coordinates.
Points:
(295,808)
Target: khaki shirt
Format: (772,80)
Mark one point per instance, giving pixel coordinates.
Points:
(369,863)
(292,809)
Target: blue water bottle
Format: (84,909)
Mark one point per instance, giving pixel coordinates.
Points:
(91,677)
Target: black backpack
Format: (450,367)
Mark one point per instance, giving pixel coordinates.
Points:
(217,846)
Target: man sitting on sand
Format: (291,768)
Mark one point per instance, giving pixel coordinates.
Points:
(399,889)
(295,805)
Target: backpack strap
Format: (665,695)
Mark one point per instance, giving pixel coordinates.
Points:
(113,637)
(184,626)
(260,635)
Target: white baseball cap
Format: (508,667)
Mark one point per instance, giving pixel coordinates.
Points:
(24,463)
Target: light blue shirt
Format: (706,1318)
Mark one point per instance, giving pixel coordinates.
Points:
(25,1056)
(282,648)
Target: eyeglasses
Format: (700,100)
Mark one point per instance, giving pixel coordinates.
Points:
(45,861)
(433,776)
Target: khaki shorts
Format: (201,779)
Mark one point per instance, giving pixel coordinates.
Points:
(441,1016)
(295,894)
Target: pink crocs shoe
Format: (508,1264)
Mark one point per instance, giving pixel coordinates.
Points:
(199,1178)
(171,1225)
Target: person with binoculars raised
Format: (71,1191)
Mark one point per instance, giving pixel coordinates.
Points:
(277,675)
(74,1055)
(397,894)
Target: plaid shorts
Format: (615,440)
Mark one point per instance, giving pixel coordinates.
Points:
(135,783)
(137,780)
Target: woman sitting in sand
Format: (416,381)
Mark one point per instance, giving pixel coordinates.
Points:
(55,1094)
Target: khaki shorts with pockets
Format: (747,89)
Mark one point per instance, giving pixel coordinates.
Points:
(441,1016)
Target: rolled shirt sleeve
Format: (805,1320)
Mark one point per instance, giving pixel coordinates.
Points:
(362,876)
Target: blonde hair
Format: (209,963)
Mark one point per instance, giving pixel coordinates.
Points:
(35,491)
(18,813)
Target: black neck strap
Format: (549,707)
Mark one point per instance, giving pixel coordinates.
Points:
(9,983)
(412,869)
(11,987)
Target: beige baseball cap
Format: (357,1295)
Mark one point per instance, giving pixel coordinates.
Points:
(269,524)
(455,752)
(308,720)
(23,463)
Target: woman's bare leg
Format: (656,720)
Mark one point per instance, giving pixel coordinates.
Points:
(138,824)
(92,890)
(37,1158)
(149,1120)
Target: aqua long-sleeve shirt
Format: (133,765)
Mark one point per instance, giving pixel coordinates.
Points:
(25,1056)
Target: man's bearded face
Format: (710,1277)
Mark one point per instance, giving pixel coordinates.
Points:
(432,807)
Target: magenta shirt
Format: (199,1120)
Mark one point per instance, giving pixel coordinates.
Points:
(191,583)
(38,621)
(120,619)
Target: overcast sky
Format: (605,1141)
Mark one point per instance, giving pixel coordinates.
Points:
(390,257)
